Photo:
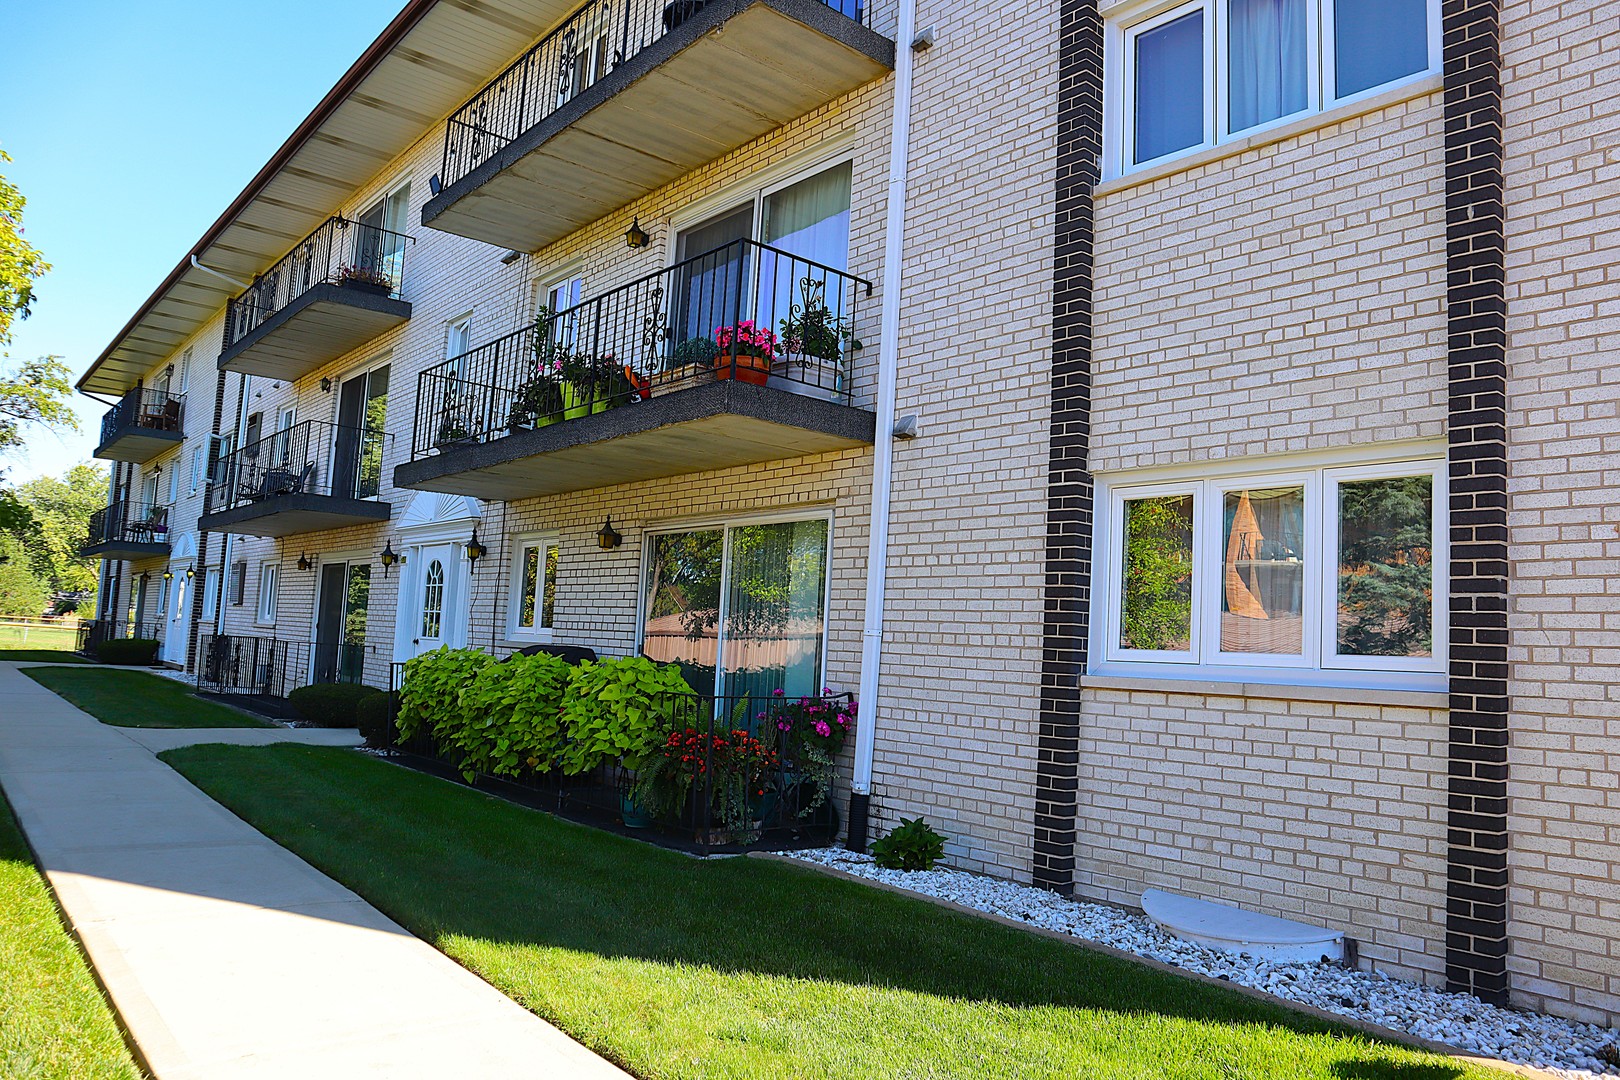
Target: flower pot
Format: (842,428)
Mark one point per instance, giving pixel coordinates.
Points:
(371,288)
(744,367)
(576,402)
(681,378)
(633,814)
(809,376)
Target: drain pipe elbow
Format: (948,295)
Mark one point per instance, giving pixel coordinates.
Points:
(210,270)
(877,555)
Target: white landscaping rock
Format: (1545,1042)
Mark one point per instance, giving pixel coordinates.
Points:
(1564,1047)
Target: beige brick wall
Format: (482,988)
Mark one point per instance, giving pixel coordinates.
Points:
(1562,108)
(958,720)
(1287,298)
(1333,814)
(1281,299)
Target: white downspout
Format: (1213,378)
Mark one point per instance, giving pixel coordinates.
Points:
(223,277)
(877,553)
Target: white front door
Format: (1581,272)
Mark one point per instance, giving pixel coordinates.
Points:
(177,632)
(437,598)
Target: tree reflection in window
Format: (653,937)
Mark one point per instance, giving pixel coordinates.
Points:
(1386,567)
(1157,612)
(433,599)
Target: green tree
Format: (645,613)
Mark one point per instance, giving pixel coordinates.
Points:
(1386,567)
(20,263)
(22,592)
(1158,574)
(61,507)
(36,392)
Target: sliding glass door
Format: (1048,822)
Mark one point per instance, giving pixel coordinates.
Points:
(742,608)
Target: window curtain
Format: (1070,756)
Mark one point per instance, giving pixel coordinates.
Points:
(775,609)
(1169,87)
(1267,61)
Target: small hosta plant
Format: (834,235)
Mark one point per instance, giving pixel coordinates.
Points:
(914,845)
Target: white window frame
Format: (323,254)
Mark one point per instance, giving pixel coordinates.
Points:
(196,469)
(211,583)
(1127,22)
(185,371)
(461,324)
(1319,663)
(173,469)
(547,543)
(269,594)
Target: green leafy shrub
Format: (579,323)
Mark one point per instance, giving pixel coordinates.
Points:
(330,704)
(617,708)
(510,716)
(131,651)
(430,702)
(374,716)
(911,846)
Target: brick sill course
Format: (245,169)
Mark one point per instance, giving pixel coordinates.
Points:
(1348,695)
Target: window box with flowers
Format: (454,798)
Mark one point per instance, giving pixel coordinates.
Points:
(746,352)
(365,279)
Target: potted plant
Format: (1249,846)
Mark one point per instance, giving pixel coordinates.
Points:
(618,711)
(537,403)
(811,731)
(746,352)
(366,279)
(711,781)
(453,431)
(814,342)
(691,364)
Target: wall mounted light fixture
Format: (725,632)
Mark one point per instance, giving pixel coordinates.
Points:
(636,236)
(168,575)
(326,384)
(387,557)
(608,537)
(304,562)
(475,550)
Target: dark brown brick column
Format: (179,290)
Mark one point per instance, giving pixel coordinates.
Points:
(1476,313)
(1069,491)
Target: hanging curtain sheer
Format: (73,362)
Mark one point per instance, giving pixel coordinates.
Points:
(1267,61)
(775,609)
(809,220)
(713,277)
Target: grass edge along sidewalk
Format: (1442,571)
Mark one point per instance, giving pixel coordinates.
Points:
(137,699)
(54,1021)
(746,968)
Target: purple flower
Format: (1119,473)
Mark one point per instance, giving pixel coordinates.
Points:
(843,720)
(778,692)
(822,728)
(783,725)
(826,691)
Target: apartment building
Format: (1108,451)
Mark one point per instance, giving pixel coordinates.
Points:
(1184,424)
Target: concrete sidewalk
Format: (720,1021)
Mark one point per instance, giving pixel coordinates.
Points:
(226,955)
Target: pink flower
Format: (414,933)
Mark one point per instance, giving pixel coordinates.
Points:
(843,720)
(746,337)
(823,729)
(778,692)
(826,691)
(783,725)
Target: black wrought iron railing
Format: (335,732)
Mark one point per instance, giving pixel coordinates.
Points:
(343,252)
(127,522)
(309,458)
(143,409)
(588,45)
(743,311)
(92,634)
(271,667)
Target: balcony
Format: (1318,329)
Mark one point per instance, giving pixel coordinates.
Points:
(127,530)
(141,426)
(738,356)
(338,289)
(629,95)
(309,477)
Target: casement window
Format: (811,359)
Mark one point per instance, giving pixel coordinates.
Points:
(269,588)
(174,480)
(210,593)
(1331,575)
(196,468)
(238,584)
(185,371)
(1199,74)
(458,337)
(532,604)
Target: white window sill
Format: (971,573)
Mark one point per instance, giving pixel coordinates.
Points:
(1349,695)
(1429,84)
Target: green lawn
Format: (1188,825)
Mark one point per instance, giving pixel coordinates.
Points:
(738,968)
(54,1023)
(38,637)
(138,699)
(43,656)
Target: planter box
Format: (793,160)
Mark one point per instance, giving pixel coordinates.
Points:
(371,288)
(811,376)
(681,378)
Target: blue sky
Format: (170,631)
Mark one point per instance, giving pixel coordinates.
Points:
(132,127)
